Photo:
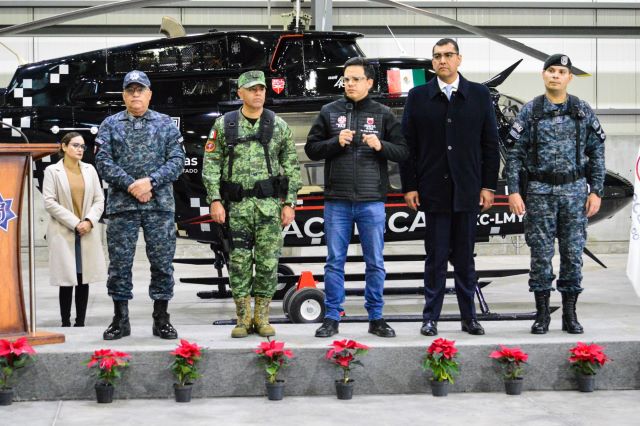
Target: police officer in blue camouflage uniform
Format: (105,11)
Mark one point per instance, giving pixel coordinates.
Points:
(140,155)
(556,164)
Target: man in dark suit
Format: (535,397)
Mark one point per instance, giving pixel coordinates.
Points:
(450,127)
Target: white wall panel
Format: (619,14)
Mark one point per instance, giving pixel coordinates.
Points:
(617,73)
(613,18)
(8,62)
(14,16)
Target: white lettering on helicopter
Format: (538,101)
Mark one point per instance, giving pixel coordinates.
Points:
(396,223)
(498,218)
(191,162)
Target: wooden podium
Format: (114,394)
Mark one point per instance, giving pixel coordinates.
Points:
(14,166)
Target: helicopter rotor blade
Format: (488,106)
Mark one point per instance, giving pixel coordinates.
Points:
(499,78)
(77,14)
(516,45)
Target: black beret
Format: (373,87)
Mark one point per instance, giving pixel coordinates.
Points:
(557,59)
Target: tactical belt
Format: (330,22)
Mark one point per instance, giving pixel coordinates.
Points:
(557,178)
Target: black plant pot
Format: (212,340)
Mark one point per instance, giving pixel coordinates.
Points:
(513,386)
(6,396)
(439,388)
(275,391)
(344,390)
(586,383)
(104,393)
(183,393)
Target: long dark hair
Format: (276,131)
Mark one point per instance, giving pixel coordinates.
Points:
(65,141)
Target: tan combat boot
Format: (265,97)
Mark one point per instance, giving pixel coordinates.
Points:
(243,312)
(261,317)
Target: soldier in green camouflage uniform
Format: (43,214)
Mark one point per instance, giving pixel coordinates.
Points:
(255,221)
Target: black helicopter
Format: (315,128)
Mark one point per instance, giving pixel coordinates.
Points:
(194,81)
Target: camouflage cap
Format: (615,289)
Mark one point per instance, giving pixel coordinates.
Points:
(557,59)
(137,77)
(250,79)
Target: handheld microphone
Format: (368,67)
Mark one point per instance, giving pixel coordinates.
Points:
(349,107)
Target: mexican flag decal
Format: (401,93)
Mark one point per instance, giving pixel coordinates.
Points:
(401,81)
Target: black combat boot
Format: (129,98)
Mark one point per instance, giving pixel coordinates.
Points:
(570,322)
(161,325)
(120,326)
(543,316)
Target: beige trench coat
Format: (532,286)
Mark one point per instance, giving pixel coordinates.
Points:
(63,222)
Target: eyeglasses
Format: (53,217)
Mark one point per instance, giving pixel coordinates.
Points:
(78,146)
(446,55)
(348,80)
(137,89)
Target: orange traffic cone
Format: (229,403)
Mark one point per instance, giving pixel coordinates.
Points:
(306,280)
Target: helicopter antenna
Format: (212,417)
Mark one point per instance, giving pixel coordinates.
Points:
(402,51)
(20,59)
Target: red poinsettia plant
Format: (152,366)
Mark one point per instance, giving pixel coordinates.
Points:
(13,356)
(185,364)
(587,359)
(274,356)
(109,363)
(344,353)
(441,360)
(512,360)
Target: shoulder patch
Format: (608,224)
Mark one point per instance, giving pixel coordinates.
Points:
(597,128)
(515,133)
(213,134)
(210,146)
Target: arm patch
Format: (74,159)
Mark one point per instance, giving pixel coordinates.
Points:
(515,133)
(597,128)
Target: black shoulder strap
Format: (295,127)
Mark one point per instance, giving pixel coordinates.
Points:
(267,125)
(538,108)
(576,114)
(231,136)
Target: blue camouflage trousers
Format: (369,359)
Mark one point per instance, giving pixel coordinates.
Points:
(548,217)
(158,228)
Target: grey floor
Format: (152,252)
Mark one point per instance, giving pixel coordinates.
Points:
(618,408)
(609,310)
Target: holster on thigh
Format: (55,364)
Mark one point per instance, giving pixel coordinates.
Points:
(242,240)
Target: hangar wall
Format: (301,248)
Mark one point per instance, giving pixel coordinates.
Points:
(600,36)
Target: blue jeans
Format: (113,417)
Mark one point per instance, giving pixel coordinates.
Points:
(339,217)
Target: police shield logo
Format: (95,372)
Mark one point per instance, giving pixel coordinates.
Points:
(370,121)
(341,122)
(6,214)
(277,84)
(564,60)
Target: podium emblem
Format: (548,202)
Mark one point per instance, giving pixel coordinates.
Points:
(6,214)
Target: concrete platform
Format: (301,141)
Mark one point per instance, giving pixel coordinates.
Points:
(608,309)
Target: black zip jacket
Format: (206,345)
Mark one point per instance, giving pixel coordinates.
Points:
(356,172)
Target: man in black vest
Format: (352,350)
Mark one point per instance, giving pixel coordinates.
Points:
(355,136)
(451,130)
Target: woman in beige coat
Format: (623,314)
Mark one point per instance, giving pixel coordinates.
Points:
(74,199)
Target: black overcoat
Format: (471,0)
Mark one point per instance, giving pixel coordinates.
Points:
(453,146)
